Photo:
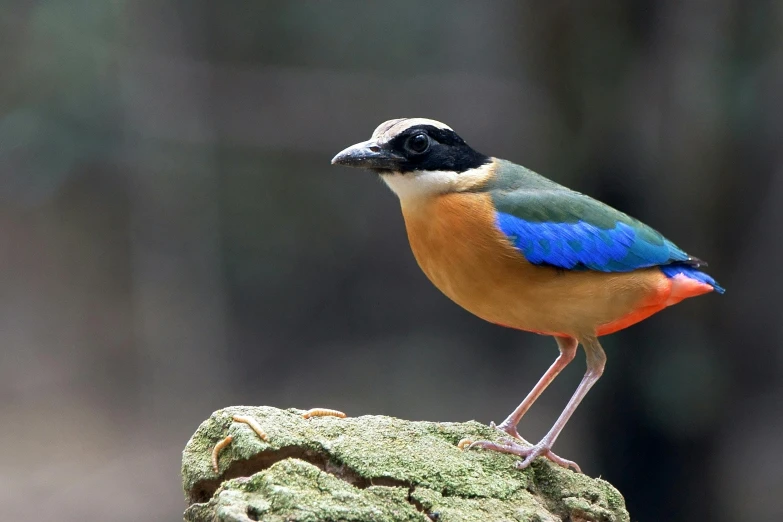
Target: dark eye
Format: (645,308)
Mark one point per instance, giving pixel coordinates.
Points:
(418,143)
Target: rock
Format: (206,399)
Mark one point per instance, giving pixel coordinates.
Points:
(375,468)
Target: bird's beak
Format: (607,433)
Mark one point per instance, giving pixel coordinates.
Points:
(368,155)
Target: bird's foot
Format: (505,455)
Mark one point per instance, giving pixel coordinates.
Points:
(529,453)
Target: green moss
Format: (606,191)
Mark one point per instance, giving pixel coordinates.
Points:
(375,468)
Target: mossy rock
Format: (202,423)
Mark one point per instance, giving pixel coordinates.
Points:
(375,468)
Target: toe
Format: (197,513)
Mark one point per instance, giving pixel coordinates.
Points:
(543,451)
(560,461)
(504,446)
(522,464)
(486,444)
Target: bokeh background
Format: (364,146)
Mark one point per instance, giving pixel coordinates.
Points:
(173,239)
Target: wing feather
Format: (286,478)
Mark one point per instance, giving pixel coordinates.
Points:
(569,230)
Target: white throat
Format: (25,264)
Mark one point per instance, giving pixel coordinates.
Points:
(421,184)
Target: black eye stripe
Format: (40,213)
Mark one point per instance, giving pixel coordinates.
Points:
(445,150)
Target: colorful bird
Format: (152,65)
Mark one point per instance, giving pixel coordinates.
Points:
(521,251)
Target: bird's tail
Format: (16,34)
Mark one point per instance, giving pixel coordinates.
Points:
(675,269)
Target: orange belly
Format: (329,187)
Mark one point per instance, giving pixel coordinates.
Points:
(458,246)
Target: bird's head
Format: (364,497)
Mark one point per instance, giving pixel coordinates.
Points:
(418,157)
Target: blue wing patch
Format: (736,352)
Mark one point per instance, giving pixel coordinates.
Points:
(583,246)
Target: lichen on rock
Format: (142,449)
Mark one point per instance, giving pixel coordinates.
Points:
(375,468)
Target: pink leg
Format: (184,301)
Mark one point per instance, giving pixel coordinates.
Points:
(567,346)
(596,360)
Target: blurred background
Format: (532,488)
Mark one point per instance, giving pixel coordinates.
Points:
(173,239)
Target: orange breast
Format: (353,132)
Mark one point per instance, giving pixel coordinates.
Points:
(458,246)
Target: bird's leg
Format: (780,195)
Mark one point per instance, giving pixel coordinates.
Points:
(567,346)
(596,360)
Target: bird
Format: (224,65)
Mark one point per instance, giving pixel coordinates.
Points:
(522,251)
